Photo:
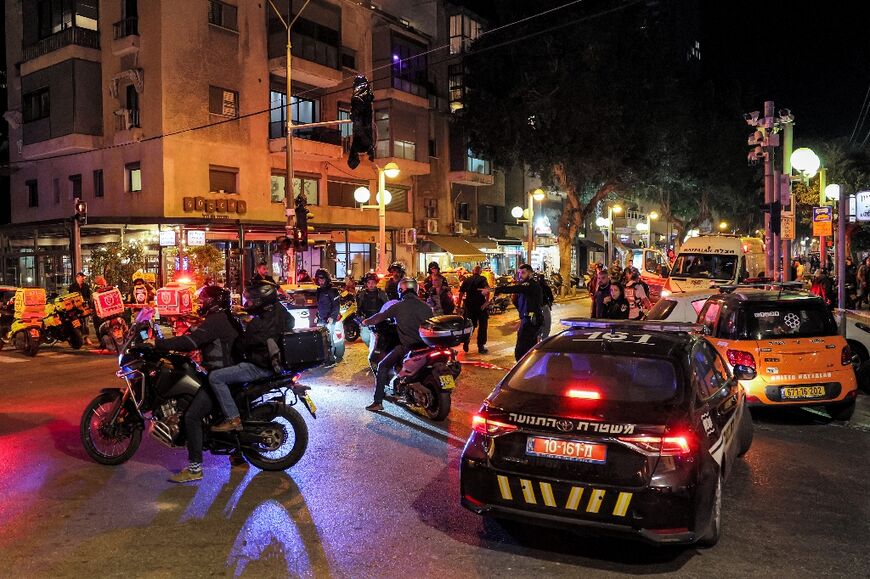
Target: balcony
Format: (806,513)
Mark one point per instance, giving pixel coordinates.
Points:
(70,36)
(315,144)
(471,178)
(126,37)
(126,27)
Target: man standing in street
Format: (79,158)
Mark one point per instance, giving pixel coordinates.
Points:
(474,305)
(529,301)
(327,304)
(601,298)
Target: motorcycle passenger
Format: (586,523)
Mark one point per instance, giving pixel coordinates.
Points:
(270,320)
(410,312)
(83,288)
(214,337)
(433,271)
(439,297)
(529,302)
(397,273)
(327,302)
(262,274)
(369,302)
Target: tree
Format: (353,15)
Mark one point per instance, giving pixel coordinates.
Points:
(206,262)
(117,262)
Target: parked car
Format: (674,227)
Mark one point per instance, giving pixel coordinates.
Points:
(679,307)
(858,338)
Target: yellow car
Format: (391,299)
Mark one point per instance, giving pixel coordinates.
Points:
(791,340)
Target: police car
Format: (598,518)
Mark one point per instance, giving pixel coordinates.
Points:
(624,428)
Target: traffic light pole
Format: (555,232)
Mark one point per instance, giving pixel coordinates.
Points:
(77,244)
(382,221)
(769,193)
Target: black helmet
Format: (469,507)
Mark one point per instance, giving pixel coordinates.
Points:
(212,298)
(360,79)
(369,276)
(322,273)
(433,264)
(407,286)
(259,296)
(396,266)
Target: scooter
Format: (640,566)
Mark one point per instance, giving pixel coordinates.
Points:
(349,317)
(63,320)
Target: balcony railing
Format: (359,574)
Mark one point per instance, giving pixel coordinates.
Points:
(128,119)
(126,27)
(74,35)
(326,135)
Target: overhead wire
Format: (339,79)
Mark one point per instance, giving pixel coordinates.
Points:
(862,115)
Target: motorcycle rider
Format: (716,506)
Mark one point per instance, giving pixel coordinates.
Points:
(214,337)
(369,302)
(327,303)
(433,271)
(270,321)
(397,273)
(409,312)
(529,303)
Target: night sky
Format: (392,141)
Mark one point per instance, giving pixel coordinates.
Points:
(810,57)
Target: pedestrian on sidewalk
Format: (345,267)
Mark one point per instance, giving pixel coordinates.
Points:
(529,301)
(601,297)
(473,305)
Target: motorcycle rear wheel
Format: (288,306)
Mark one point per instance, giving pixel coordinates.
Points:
(439,407)
(122,443)
(28,345)
(75,339)
(293,445)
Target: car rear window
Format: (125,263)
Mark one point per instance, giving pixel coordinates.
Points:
(789,320)
(705,265)
(661,310)
(614,378)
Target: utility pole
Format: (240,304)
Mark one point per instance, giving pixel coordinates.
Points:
(823,241)
(785,188)
(769,193)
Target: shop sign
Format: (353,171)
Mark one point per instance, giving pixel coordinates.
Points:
(195,237)
(823,221)
(167,238)
(203,205)
(544,240)
(862,206)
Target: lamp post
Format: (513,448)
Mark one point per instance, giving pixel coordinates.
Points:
(384,198)
(607,222)
(527,216)
(652,215)
(723,226)
(808,164)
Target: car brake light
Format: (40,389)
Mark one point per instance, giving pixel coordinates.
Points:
(673,445)
(483,425)
(846,355)
(741,358)
(584,394)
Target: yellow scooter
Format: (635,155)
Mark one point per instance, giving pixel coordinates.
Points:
(25,332)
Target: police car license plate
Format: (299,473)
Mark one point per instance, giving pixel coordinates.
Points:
(447,382)
(566,449)
(800,392)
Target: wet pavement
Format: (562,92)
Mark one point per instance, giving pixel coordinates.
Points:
(376,495)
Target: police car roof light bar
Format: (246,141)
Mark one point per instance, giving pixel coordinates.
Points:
(781,285)
(584,323)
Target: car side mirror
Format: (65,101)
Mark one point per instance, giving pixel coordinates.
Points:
(744,373)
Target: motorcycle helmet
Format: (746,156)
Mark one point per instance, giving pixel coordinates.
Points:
(370,276)
(259,296)
(396,266)
(212,298)
(407,286)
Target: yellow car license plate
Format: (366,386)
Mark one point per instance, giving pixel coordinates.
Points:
(800,392)
(447,382)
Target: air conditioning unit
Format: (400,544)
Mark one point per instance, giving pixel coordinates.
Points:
(431,226)
(408,236)
(460,229)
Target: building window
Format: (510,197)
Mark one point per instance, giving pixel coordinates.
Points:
(76,186)
(477,165)
(405,150)
(410,69)
(348,58)
(382,126)
(134,177)
(340,193)
(32,193)
(344,114)
(490,214)
(430,207)
(463,31)
(314,42)
(98,183)
(55,16)
(223,179)
(456,85)
(223,101)
(36,105)
(308,184)
(463,212)
(302,111)
(223,15)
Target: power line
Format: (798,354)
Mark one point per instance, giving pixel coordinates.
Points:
(378,68)
(862,115)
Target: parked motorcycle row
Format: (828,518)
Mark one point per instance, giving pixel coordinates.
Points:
(28,320)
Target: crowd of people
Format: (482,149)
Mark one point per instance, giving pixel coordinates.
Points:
(617,293)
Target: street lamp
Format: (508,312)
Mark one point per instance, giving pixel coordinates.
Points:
(527,216)
(723,225)
(607,222)
(808,164)
(649,219)
(362,195)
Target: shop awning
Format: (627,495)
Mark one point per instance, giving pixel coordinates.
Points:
(589,244)
(484,244)
(458,247)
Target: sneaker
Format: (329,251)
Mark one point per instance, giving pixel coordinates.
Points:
(375,407)
(228,425)
(482,350)
(237,460)
(186,476)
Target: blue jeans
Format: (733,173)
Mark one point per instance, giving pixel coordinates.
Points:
(220,381)
(385,370)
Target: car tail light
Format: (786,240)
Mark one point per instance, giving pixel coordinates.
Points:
(846,355)
(670,445)
(584,394)
(741,358)
(482,424)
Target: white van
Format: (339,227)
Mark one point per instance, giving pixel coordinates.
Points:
(710,260)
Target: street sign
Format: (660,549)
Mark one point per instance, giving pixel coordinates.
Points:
(167,238)
(195,237)
(862,205)
(787,226)
(823,221)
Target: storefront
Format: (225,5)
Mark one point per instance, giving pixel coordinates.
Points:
(449,252)
(510,256)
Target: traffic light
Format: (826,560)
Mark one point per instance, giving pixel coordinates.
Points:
(81,209)
(302,217)
(363,140)
(775,210)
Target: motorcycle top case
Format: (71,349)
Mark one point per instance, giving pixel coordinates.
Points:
(445,331)
(29,303)
(69,302)
(108,303)
(305,347)
(174,300)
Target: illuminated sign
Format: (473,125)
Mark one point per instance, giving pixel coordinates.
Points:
(195,237)
(167,238)
(203,205)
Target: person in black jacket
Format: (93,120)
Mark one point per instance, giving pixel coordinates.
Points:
(397,273)
(474,306)
(214,337)
(327,303)
(369,302)
(601,298)
(530,299)
(618,307)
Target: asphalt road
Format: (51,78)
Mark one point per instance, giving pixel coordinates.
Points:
(376,495)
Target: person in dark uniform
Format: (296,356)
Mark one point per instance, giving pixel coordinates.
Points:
(82,287)
(474,306)
(397,273)
(369,301)
(530,298)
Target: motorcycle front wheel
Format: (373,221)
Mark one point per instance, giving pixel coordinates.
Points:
(75,339)
(29,345)
(109,444)
(285,439)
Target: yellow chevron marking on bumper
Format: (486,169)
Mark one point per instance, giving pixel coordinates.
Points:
(528,491)
(595,501)
(622,504)
(505,488)
(574,498)
(547,493)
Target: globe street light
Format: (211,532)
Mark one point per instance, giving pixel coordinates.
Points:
(806,162)
(723,225)
(527,216)
(832,192)
(517,213)
(649,218)
(383,198)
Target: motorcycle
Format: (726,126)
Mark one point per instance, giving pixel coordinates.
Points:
(425,378)
(501,302)
(64,317)
(160,386)
(349,317)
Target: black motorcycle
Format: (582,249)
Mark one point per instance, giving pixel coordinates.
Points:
(501,302)
(160,386)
